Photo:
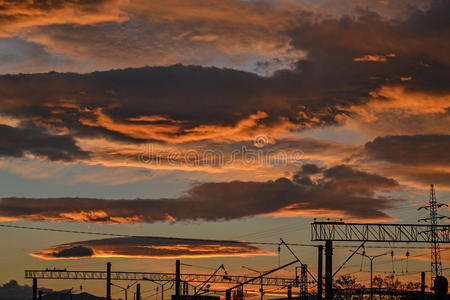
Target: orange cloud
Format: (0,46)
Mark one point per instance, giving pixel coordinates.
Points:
(245,129)
(18,15)
(394,110)
(151,247)
(99,215)
(389,98)
(375,58)
(299,210)
(8,120)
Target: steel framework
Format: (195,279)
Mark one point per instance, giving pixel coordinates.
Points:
(304,282)
(159,277)
(432,207)
(382,291)
(360,232)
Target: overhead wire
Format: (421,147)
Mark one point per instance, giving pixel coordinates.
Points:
(141,236)
(191,239)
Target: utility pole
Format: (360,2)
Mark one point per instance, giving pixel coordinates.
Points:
(371,258)
(138,291)
(329,270)
(432,207)
(228,294)
(319,272)
(422,284)
(185,288)
(304,281)
(108,281)
(34,288)
(177,277)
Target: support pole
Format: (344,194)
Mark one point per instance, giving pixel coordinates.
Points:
(261,289)
(329,270)
(185,288)
(108,281)
(319,272)
(422,284)
(228,294)
(177,278)
(289,293)
(34,288)
(371,278)
(138,291)
(304,275)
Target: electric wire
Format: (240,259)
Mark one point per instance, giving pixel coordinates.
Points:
(194,239)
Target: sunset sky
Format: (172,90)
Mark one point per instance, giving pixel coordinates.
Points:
(235,120)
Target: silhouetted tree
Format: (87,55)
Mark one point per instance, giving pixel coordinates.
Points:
(346,282)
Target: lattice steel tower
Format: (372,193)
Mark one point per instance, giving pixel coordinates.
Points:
(432,207)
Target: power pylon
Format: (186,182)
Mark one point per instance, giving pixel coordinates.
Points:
(433,207)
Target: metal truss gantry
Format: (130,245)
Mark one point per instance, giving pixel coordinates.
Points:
(158,277)
(360,232)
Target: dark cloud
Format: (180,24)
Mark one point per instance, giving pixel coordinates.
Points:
(310,169)
(209,32)
(186,96)
(303,176)
(338,190)
(158,247)
(368,33)
(19,141)
(418,159)
(412,150)
(413,47)
(424,176)
(337,73)
(169,33)
(74,252)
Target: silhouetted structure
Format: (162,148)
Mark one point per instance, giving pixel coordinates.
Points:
(329,231)
(434,232)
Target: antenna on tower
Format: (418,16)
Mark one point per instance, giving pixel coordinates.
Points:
(432,207)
